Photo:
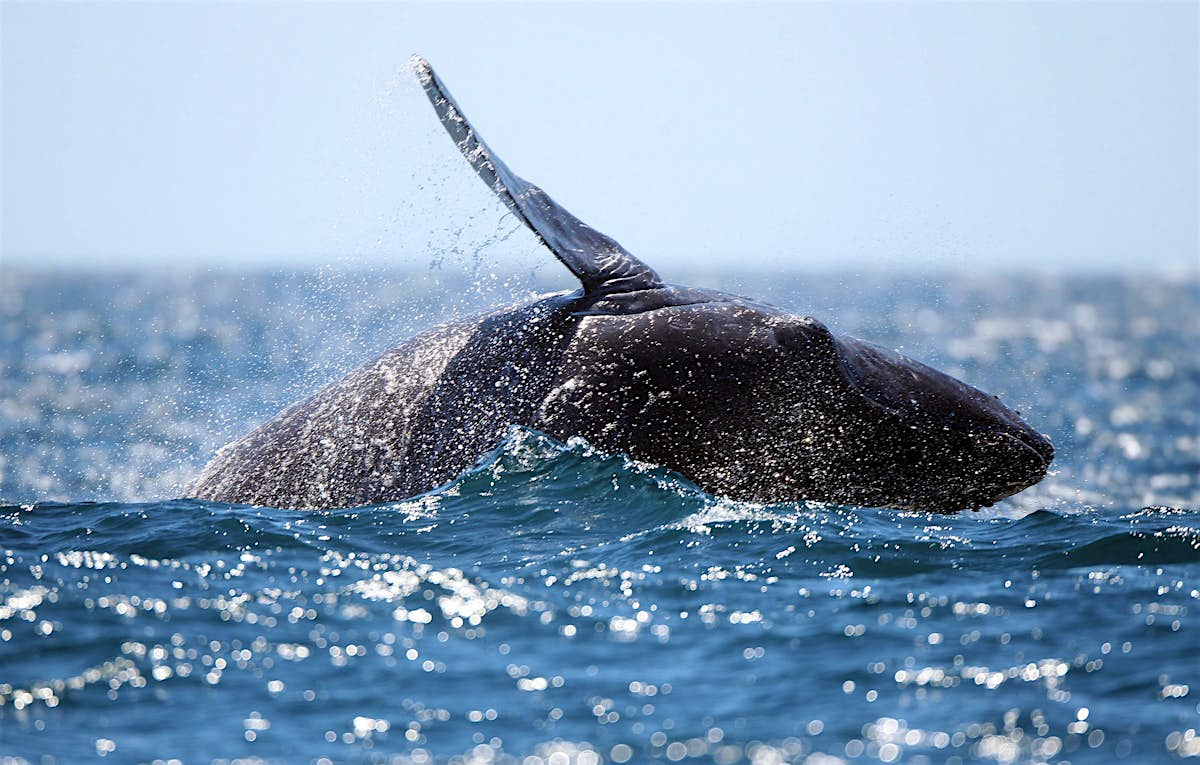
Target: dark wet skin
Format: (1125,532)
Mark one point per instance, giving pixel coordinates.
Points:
(744,399)
(755,403)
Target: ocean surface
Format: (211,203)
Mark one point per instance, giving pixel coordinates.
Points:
(557,605)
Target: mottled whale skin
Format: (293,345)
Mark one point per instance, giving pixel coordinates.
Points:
(746,400)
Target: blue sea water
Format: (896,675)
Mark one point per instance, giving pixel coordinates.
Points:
(558,605)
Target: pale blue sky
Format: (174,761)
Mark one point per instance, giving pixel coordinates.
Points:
(814,135)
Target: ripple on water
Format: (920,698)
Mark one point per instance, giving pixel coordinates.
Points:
(557,605)
(496,620)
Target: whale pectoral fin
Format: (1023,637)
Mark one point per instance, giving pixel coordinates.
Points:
(597,261)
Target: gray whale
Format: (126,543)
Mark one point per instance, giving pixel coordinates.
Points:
(744,399)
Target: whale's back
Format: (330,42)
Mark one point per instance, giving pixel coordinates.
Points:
(346,444)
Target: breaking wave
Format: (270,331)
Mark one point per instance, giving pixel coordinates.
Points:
(564,605)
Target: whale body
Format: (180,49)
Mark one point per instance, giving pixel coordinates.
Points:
(745,400)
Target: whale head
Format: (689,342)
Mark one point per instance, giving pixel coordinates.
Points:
(759,404)
(885,430)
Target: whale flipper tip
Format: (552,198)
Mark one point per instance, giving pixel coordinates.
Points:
(598,261)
